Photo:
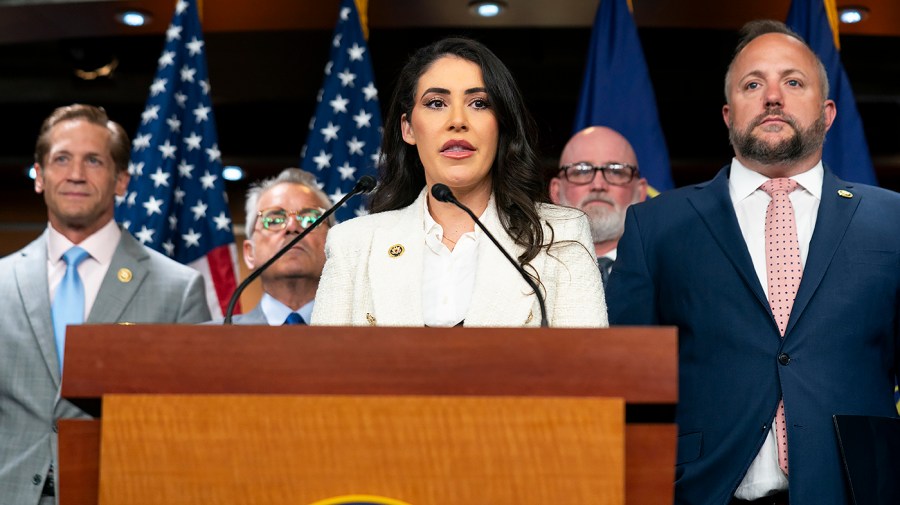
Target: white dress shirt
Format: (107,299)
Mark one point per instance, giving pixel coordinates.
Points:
(100,248)
(764,477)
(276,312)
(448,279)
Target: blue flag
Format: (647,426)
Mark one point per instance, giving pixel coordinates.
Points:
(846,151)
(176,199)
(344,140)
(617,92)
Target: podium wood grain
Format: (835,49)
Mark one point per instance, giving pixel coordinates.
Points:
(255,450)
(79,461)
(649,464)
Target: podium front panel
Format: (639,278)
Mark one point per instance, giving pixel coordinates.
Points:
(222,449)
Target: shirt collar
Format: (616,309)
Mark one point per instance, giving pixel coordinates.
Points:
(100,246)
(743,182)
(276,312)
(430,225)
(432,228)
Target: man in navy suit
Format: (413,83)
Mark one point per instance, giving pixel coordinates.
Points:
(704,259)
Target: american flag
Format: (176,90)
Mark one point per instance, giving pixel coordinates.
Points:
(176,200)
(344,137)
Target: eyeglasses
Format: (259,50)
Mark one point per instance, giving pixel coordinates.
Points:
(582,172)
(277,219)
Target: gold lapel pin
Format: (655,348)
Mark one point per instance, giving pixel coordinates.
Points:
(844,193)
(396,250)
(124,275)
(370,318)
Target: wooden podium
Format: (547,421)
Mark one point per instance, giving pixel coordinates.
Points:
(249,414)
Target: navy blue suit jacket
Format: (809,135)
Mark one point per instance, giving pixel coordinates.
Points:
(683,262)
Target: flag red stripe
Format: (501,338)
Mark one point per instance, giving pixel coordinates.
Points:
(222,273)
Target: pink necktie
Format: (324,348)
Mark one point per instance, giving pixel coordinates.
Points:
(783,270)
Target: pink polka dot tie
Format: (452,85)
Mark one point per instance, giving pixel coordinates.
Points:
(783,270)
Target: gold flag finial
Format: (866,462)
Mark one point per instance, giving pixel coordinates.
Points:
(833,21)
(362,7)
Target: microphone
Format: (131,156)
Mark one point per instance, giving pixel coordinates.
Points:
(365,184)
(443,194)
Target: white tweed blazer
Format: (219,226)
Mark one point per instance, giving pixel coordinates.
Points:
(364,284)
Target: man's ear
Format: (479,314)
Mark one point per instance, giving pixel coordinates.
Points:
(555,188)
(830,111)
(38,179)
(641,190)
(249,256)
(122,179)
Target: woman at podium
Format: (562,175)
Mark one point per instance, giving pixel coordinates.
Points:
(457,135)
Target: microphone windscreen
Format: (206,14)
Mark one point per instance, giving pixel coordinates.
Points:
(442,193)
(365,184)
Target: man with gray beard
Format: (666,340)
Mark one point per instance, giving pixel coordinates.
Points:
(784,283)
(604,197)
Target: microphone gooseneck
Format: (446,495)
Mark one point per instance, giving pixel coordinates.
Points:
(365,184)
(443,194)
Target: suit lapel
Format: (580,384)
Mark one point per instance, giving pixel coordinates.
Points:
(396,276)
(255,316)
(713,203)
(835,214)
(125,275)
(501,297)
(31,278)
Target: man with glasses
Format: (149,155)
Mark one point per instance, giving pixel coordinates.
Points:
(278,209)
(599,175)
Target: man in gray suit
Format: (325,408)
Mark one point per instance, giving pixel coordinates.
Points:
(81,161)
(277,210)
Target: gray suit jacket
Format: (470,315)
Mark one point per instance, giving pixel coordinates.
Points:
(255,316)
(159,291)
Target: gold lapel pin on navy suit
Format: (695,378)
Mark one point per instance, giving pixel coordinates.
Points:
(844,193)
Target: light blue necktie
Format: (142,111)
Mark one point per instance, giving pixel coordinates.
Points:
(68,304)
(294,319)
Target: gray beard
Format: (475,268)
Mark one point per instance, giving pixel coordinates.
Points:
(794,148)
(606,224)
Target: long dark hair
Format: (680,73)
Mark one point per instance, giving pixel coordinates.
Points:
(517,180)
